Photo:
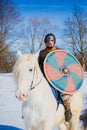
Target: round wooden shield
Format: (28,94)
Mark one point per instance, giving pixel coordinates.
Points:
(63,71)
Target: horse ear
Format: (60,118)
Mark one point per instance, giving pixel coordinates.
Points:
(19,53)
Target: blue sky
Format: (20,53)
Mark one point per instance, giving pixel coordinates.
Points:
(55,10)
(51,2)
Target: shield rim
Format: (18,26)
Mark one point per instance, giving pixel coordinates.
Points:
(48,77)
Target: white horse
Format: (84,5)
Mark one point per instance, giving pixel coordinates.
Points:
(39,105)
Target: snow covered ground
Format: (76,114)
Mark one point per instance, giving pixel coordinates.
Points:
(10,107)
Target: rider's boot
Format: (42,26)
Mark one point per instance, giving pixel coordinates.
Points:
(66,102)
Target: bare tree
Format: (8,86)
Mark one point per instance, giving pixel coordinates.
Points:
(34,31)
(9,17)
(76,33)
(8,20)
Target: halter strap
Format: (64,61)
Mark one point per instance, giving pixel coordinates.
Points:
(31,86)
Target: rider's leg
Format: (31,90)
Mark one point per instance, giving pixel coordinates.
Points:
(66,98)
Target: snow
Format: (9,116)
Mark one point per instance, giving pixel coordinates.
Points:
(10,107)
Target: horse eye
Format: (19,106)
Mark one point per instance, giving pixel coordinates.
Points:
(30,69)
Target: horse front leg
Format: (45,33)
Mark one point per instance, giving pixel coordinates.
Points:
(33,129)
(74,123)
(29,129)
(63,126)
(47,127)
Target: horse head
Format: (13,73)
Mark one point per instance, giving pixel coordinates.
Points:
(26,71)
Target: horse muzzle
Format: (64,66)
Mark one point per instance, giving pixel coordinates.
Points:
(21,95)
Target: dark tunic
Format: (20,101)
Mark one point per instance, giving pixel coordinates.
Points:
(42,55)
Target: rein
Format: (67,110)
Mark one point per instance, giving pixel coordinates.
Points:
(31,86)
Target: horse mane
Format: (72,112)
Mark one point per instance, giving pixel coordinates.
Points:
(21,60)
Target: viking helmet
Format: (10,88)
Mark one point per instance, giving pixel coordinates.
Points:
(48,36)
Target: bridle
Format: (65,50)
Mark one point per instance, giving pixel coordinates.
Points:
(32,86)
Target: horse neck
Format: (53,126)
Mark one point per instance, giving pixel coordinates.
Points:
(43,85)
(42,90)
(41,75)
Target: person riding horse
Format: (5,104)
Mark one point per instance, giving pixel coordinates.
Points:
(50,41)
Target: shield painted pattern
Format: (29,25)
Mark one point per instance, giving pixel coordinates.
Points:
(63,71)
